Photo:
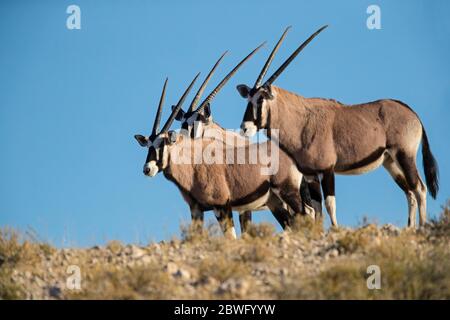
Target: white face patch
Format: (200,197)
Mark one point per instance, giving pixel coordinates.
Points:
(152,168)
(248,128)
(198,129)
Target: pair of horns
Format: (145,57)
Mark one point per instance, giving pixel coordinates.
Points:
(221,84)
(198,95)
(174,111)
(287,62)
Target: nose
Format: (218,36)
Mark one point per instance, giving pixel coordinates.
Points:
(146,170)
(243,129)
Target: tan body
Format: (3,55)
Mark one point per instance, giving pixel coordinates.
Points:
(225,187)
(323,134)
(326,137)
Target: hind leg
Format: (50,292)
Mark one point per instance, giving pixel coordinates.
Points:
(421,194)
(407,162)
(289,192)
(290,195)
(278,210)
(397,174)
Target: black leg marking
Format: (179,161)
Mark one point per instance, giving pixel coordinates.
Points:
(245,218)
(408,166)
(225,218)
(328,192)
(279,212)
(305,195)
(290,195)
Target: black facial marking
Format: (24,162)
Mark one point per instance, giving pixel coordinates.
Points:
(248,115)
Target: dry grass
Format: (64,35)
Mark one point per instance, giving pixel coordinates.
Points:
(304,263)
(16,252)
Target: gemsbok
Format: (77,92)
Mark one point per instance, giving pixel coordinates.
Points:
(326,137)
(218,185)
(198,123)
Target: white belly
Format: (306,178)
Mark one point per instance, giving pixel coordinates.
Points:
(361,170)
(258,204)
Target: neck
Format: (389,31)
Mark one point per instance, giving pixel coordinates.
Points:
(216,132)
(178,170)
(286,112)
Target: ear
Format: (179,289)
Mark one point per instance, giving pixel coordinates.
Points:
(172,136)
(207,111)
(143,141)
(243,90)
(179,115)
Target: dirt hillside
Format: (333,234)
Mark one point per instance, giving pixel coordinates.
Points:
(369,262)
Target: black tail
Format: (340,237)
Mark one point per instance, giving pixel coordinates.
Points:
(430,166)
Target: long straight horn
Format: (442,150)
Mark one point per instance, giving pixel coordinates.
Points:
(270,58)
(178,106)
(203,86)
(225,80)
(160,106)
(293,55)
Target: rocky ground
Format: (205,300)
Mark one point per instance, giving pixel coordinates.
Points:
(307,263)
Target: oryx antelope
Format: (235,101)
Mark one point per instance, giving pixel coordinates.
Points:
(327,137)
(197,122)
(221,187)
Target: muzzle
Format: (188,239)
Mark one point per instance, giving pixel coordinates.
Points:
(151,169)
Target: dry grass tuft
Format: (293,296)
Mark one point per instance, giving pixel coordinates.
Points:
(262,230)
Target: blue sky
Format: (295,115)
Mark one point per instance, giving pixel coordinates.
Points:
(71,100)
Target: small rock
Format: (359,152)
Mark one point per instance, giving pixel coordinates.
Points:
(171,268)
(145,259)
(54,292)
(134,251)
(284,272)
(182,274)
(390,229)
(234,286)
(333,253)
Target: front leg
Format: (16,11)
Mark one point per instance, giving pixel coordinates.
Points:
(245,218)
(197,217)
(328,193)
(225,218)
